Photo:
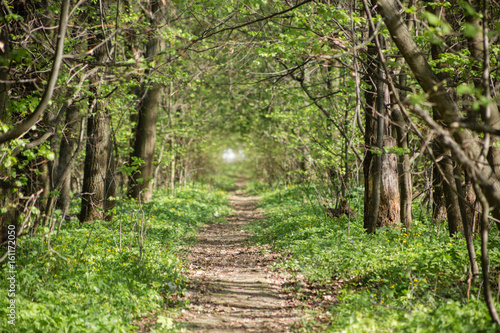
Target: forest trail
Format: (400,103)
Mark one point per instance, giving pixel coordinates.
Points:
(231,288)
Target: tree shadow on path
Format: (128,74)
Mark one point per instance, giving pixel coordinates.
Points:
(231,288)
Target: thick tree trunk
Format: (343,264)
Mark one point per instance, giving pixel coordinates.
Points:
(141,184)
(382,201)
(99,150)
(444,169)
(95,170)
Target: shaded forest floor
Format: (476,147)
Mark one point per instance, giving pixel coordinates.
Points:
(232,288)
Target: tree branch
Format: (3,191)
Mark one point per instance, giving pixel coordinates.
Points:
(32,119)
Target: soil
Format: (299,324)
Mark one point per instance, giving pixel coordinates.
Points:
(231,287)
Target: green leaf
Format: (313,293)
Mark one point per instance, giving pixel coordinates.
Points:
(411,10)
(417,98)
(432,19)
(471,30)
(9,161)
(464,88)
(165,322)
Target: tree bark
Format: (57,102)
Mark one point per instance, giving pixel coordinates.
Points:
(371,176)
(95,170)
(382,201)
(444,169)
(141,184)
(466,150)
(404,172)
(450,195)
(99,150)
(485,260)
(69,140)
(478,47)
(466,226)
(389,207)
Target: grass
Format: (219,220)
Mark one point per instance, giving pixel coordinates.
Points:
(395,281)
(95,280)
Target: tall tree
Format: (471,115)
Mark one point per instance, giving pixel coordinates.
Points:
(141,184)
(98,152)
(465,149)
(381,199)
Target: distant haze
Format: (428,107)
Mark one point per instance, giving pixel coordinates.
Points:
(230,156)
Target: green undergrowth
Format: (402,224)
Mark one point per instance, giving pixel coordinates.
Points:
(97,279)
(394,281)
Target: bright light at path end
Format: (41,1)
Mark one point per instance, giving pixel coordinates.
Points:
(229,155)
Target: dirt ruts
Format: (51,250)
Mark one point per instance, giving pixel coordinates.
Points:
(231,288)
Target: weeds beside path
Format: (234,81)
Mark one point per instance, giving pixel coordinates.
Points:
(231,288)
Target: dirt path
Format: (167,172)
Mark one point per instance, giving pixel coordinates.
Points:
(231,287)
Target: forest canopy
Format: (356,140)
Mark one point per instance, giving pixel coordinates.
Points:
(384,105)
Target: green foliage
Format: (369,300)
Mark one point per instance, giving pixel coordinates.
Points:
(269,82)
(396,280)
(94,278)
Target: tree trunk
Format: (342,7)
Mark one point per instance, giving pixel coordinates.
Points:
(438,205)
(444,169)
(466,226)
(141,184)
(404,172)
(95,170)
(463,145)
(389,208)
(69,140)
(485,260)
(491,114)
(450,195)
(99,150)
(382,201)
(371,177)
